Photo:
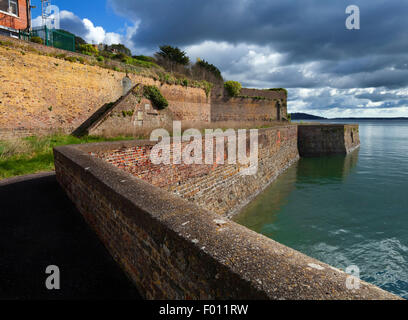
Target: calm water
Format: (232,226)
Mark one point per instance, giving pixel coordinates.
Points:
(346,210)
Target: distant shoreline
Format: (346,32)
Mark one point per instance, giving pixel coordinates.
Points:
(305,116)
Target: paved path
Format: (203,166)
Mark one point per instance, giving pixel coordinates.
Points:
(39,226)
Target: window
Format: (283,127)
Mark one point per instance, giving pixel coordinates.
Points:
(13,7)
(10,6)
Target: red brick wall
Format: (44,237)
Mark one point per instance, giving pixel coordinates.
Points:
(172,249)
(213,187)
(246,109)
(19,22)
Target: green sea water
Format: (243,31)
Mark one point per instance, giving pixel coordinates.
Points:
(346,210)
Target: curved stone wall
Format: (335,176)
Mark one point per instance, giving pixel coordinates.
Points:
(173,249)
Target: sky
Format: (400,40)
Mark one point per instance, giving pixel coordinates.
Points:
(301,45)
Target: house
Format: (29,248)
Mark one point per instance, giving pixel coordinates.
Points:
(15,15)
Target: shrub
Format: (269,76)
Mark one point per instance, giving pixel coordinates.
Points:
(88,49)
(100,58)
(144,58)
(37,40)
(207,86)
(279,89)
(70,59)
(61,56)
(120,56)
(139,63)
(233,88)
(154,95)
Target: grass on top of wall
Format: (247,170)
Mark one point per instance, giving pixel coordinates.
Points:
(23,156)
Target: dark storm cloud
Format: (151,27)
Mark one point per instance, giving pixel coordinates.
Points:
(317,51)
(73,23)
(378,97)
(305,29)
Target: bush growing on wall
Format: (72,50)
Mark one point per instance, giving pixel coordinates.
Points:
(154,95)
(233,88)
(279,89)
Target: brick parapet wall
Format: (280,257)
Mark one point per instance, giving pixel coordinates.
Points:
(173,249)
(220,188)
(241,109)
(269,94)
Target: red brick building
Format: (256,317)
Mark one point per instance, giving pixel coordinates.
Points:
(14,15)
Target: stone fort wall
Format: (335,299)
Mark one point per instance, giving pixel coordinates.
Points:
(175,249)
(327,139)
(41,94)
(220,188)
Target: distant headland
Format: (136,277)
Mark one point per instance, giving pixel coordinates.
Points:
(306,116)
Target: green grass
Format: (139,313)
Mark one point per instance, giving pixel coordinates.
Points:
(34,154)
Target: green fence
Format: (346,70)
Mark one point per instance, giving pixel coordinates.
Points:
(52,38)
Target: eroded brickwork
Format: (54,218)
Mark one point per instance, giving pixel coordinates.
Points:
(248,109)
(173,249)
(43,93)
(40,93)
(219,188)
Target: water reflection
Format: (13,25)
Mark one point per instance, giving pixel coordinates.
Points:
(262,211)
(325,170)
(261,214)
(346,210)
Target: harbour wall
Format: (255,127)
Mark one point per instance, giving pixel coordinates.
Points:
(173,248)
(221,188)
(327,139)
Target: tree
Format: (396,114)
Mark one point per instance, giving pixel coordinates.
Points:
(173,54)
(209,67)
(206,71)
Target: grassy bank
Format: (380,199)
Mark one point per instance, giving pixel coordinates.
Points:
(34,154)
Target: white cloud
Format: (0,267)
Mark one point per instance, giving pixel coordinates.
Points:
(87,30)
